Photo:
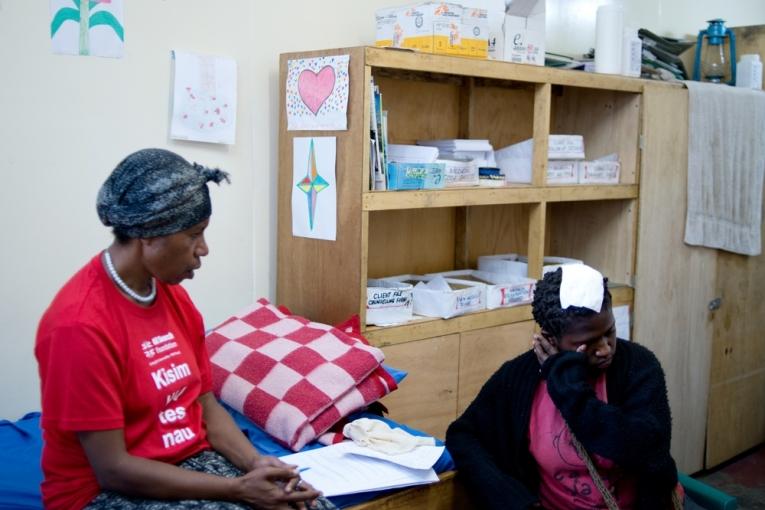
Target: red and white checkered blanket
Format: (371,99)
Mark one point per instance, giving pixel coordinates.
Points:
(294,378)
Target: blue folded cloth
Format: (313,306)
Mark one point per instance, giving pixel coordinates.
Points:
(21,449)
(20,471)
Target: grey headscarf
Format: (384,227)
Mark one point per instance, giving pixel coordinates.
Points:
(155,192)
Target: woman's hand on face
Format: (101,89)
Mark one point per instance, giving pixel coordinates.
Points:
(265,487)
(543,348)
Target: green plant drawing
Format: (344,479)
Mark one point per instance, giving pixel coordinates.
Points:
(81,13)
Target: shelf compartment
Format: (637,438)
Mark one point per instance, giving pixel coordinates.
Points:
(520,194)
(600,233)
(609,121)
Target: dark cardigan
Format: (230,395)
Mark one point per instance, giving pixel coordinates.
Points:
(490,445)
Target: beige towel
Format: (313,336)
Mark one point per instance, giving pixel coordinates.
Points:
(378,436)
(726,162)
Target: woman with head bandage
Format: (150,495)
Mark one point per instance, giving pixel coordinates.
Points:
(129,419)
(580,421)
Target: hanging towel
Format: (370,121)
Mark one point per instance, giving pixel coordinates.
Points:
(726,161)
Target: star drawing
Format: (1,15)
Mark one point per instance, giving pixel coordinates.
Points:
(312,184)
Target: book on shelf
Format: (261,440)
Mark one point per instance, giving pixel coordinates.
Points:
(378,139)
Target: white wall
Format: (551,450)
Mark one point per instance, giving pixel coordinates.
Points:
(571,23)
(66,121)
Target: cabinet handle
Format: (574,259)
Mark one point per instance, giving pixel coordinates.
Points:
(714,304)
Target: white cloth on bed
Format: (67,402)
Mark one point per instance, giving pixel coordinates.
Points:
(726,162)
(378,436)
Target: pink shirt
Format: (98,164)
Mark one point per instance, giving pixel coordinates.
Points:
(565,481)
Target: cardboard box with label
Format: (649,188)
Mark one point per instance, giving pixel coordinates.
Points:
(501,290)
(435,296)
(599,172)
(523,37)
(388,302)
(434,27)
(563,151)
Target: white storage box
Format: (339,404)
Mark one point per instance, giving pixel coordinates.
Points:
(523,40)
(388,302)
(515,160)
(442,297)
(501,290)
(599,172)
(505,264)
(459,172)
(517,265)
(560,171)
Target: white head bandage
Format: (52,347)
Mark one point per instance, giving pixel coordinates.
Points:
(581,286)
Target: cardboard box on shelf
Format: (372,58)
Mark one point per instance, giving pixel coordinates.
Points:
(388,302)
(458,172)
(562,171)
(502,290)
(599,172)
(524,33)
(515,160)
(434,27)
(435,296)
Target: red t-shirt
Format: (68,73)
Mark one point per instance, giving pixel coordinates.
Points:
(565,481)
(107,363)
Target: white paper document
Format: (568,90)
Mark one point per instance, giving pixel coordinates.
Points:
(334,470)
(622,318)
(422,457)
(204,98)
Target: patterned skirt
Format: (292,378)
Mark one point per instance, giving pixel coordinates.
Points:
(208,461)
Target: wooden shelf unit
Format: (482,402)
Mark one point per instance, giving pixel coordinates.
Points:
(386,233)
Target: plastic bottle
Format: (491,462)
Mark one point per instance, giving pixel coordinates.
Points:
(749,72)
(632,53)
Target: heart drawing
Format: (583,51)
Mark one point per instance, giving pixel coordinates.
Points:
(315,88)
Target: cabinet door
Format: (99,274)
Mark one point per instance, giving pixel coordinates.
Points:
(427,398)
(737,395)
(674,282)
(483,351)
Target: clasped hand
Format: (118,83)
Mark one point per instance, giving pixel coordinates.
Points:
(274,485)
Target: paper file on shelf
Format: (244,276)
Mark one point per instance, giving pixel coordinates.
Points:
(411,154)
(335,471)
(458,144)
(479,151)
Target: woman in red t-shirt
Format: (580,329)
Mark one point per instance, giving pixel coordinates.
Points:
(129,419)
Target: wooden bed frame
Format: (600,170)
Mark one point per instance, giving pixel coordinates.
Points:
(447,494)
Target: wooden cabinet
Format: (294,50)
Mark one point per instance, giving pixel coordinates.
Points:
(385,233)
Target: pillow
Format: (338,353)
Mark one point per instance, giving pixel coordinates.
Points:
(292,377)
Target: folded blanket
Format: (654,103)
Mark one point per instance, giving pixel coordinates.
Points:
(293,377)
